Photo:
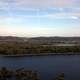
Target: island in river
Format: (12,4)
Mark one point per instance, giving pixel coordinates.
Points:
(21,46)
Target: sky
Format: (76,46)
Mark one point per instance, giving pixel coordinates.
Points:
(31,18)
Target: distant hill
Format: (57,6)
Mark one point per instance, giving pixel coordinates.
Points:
(50,40)
(11,38)
(41,40)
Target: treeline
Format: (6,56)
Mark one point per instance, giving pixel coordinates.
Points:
(15,48)
(22,74)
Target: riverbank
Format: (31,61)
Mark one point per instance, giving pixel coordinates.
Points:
(42,54)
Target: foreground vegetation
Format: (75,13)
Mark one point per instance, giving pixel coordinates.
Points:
(16,48)
(22,74)
(19,74)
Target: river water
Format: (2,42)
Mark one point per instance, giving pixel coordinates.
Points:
(47,66)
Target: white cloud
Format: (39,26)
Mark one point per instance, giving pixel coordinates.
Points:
(63,15)
(74,17)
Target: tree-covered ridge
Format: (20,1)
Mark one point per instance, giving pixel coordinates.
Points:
(17,48)
(39,46)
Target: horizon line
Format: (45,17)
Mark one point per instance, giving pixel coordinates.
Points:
(34,36)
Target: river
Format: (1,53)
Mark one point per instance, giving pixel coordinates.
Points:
(47,66)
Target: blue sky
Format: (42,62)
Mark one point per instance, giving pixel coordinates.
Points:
(32,18)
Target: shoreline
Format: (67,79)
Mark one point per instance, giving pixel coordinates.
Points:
(42,54)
